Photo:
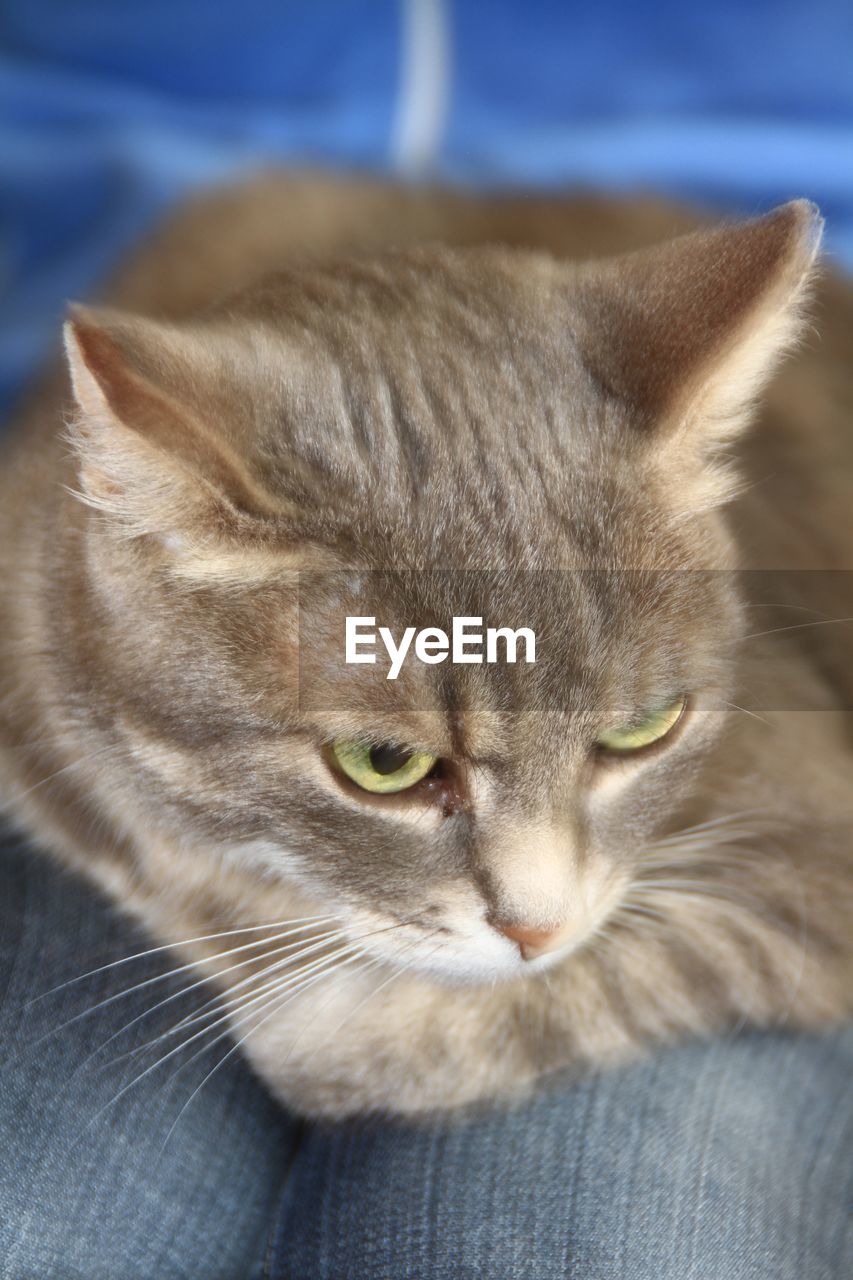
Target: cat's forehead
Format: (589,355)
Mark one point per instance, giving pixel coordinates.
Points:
(479,339)
(439,401)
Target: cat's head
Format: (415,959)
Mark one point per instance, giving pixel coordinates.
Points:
(418,437)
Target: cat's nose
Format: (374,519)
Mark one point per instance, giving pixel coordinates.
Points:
(532,942)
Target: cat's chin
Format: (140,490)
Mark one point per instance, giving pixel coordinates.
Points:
(480,966)
(485,974)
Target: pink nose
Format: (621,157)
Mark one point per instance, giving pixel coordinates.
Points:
(531,942)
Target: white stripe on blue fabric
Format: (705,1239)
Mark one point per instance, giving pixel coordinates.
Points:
(418,125)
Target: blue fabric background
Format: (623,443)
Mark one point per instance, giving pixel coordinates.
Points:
(111,109)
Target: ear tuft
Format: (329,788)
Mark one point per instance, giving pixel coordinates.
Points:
(124,470)
(148,400)
(78,334)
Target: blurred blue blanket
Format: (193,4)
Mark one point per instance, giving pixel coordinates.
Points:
(110,110)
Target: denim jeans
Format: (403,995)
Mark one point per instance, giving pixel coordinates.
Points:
(722,1161)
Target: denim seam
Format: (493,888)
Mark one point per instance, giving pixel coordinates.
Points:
(272,1234)
(15,965)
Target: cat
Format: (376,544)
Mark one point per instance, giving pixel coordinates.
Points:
(313,398)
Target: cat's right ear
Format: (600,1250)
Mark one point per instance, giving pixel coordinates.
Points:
(151,459)
(686,334)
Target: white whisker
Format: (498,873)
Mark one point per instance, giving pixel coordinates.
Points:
(74,764)
(310,944)
(286,983)
(400,968)
(710,825)
(162,977)
(796,626)
(184,1044)
(734,706)
(268,969)
(214,1004)
(169,946)
(276,1009)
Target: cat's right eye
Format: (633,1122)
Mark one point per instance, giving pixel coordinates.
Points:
(383,769)
(643,732)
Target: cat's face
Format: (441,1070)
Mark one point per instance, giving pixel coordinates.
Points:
(433,436)
(518,805)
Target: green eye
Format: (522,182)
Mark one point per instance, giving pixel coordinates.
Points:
(642,733)
(383,769)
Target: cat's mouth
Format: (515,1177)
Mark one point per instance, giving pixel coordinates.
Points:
(465,947)
(449,956)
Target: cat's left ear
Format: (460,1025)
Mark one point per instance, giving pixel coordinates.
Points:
(686,334)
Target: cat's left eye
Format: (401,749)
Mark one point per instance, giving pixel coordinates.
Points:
(645,731)
(381,769)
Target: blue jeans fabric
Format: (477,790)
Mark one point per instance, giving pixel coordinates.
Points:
(727,1161)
